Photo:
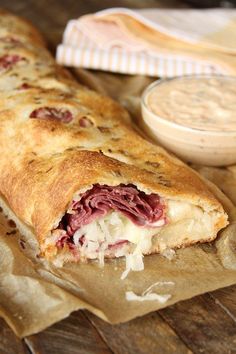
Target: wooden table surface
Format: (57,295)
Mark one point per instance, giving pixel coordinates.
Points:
(205,324)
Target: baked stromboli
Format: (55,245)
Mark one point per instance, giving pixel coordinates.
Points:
(74,172)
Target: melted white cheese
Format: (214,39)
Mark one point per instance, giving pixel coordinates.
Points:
(111,229)
(184,220)
(186,223)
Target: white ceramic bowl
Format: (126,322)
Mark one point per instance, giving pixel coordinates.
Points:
(212,148)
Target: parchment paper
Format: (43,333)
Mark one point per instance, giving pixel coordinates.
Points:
(34,294)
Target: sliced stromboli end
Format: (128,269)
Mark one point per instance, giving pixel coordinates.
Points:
(59,176)
(114,233)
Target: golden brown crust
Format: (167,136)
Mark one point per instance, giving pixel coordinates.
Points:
(44,162)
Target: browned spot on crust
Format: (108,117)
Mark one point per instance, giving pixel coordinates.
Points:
(104,129)
(12,223)
(85,122)
(48,170)
(153,164)
(13,232)
(123,152)
(116,173)
(22,244)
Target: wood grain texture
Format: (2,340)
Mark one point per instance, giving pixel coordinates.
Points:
(148,334)
(74,335)
(203,325)
(226,299)
(9,343)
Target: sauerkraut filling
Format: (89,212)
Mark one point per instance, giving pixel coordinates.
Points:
(121,221)
(110,221)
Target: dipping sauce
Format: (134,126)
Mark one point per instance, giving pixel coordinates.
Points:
(206,104)
(194,117)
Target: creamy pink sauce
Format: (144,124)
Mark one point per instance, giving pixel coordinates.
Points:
(205,103)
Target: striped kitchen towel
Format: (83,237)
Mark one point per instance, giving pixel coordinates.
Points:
(154,42)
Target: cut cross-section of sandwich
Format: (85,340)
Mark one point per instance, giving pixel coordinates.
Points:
(84,206)
(114,221)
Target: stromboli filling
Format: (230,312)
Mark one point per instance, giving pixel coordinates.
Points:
(123,221)
(100,223)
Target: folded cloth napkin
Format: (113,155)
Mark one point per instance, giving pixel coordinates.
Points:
(154,42)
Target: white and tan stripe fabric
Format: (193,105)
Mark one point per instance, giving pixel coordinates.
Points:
(153,42)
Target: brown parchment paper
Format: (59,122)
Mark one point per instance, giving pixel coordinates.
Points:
(35,294)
